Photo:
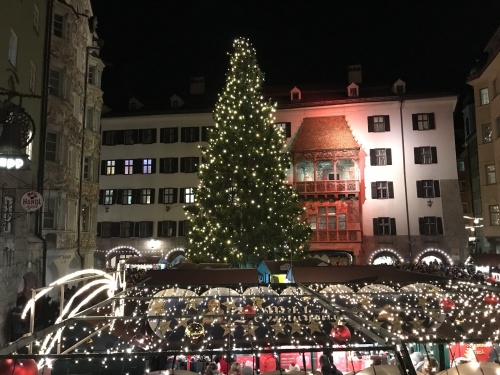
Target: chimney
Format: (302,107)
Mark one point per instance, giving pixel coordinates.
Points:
(197,85)
(354,74)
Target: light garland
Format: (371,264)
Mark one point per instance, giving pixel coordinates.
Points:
(386,250)
(434,250)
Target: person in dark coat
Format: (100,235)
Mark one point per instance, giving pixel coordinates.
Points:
(328,368)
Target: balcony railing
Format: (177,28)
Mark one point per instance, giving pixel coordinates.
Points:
(336,236)
(328,186)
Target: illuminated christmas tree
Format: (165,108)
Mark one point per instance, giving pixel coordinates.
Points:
(245,213)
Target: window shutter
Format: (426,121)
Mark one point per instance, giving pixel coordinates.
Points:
(434,155)
(135,136)
(432,124)
(161,195)
(149,226)
(176,135)
(162,135)
(183,134)
(437,191)
(416,152)
(421,225)
(181,228)
(371,126)
(390,187)
(99,229)
(136,229)
(182,195)
(141,135)
(101,196)
(154,138)
(162,165)
(174,228)
(373,159)
(153,196)
(115,229)
(137,167)
(175,195)
(119,137)
(439,225)
(103,167)
(159,229)
(388,155)
(119,196)
(176,165)
(420,189)
(375,226)
(196,164)
(103,139)
(120,166)
(114,196)
(183,165)
(288,129)
(393,226)
(374,190)
(136,196)
(153,165)
(414,118)
(387,123)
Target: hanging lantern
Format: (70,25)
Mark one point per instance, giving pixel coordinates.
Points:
(195,332)
(249,312)
(491,299)
(18,367)
(446,304)
(341,334)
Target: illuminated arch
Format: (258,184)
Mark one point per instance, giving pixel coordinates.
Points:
(376,254)
(117,251)
(174,253)
(445,257)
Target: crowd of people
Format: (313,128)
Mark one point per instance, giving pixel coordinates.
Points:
(459,271)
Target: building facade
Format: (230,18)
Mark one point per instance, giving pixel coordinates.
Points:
(486,84)
(374,168)
(22,38)
(72,140)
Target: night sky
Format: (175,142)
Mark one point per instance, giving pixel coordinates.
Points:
(152,47)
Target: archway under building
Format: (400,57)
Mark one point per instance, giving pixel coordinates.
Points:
(120,254)
(434,256)
(335,257)
(385,257)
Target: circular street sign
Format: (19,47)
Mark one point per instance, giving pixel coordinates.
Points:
(31,201)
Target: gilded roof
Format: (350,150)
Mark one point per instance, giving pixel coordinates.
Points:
(324,133)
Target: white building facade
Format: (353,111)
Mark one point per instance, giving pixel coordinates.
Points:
(376,174)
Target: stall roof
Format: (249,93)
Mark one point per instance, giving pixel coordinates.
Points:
(202,276)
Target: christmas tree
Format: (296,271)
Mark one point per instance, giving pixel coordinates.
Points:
(244,211)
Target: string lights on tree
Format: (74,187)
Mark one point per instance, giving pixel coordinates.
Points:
(245,212)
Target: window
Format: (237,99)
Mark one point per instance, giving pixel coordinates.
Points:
(55,83)
(126,196)
(190,165)
(92,75)
(184,227)
(311,219)
(169,135)
(484,97)
(49,212)
(129,137)
(168,196)
(32,84)
(87,168)
(377,124)
(13,48)
(147,166)
(190,134)
(108,196)
(51,147)
(353,91)
(462,185)
(104,229)
(169,165)
(423,121)
(380,156)
(428,189)
(461,166)
(145,229)
(167,228)
(36,18)
(494,215)
(129,166)
(384,226)
(382,189)
(110,167)
(58,25)
(126,229)
(148,136)
(187,195)
(491,177)
(430,225)
(425,155)
(7,212)
(147,196)
(109,138)
(285,127)
(486,133)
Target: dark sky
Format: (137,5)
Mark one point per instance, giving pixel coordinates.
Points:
(152,47)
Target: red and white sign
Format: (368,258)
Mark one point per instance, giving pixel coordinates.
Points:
(31,201)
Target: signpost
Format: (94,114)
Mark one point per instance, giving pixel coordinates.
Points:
(31,201)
